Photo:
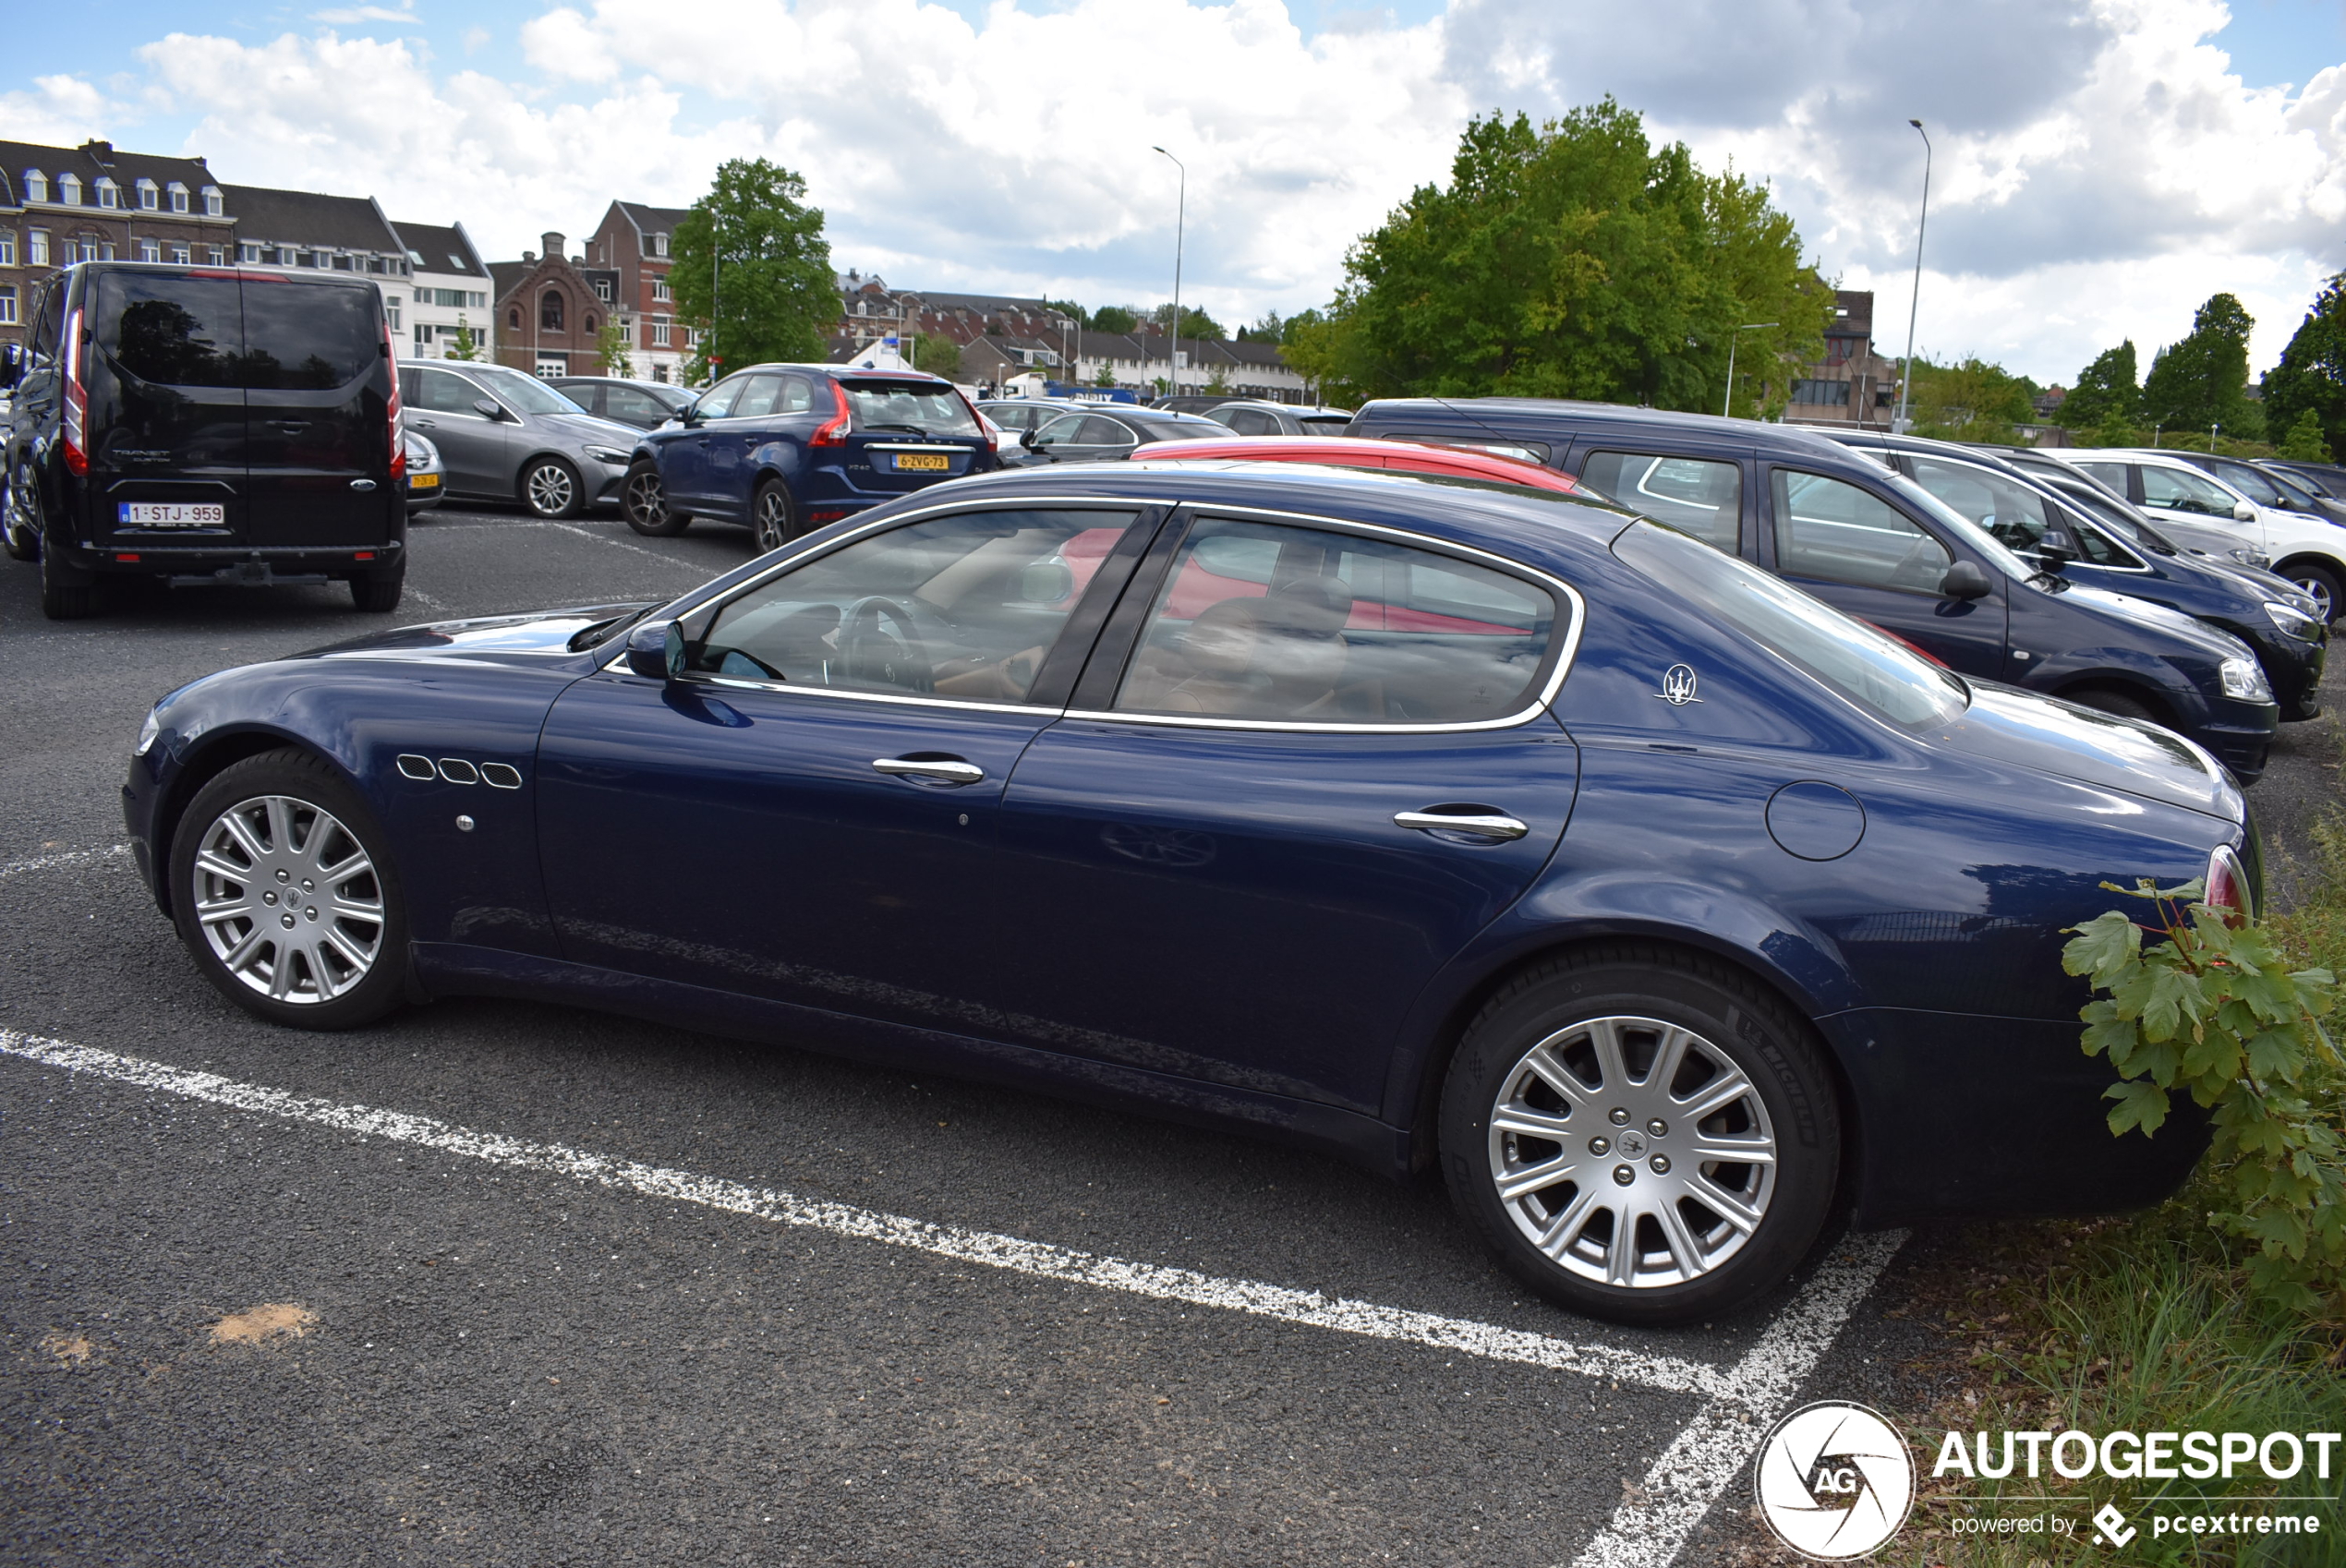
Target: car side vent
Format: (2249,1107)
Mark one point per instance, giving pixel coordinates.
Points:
(414,767)
(501,775)
(456,770)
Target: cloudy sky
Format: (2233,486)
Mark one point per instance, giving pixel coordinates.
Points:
(2102,165)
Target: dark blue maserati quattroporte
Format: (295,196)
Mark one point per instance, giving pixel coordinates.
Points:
(1664,909)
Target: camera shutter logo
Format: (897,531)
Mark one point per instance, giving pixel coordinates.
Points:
(1834,1480)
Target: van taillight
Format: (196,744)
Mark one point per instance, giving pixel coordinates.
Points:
(77,400)
(398,415)
(833,432)
(2227,886)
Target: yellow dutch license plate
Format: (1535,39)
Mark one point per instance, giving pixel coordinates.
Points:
(424,482)
(921,463)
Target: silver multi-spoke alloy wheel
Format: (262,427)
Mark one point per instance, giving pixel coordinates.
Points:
(1632,1152)
(288,899)
(646,502)
(552,489)
(772,522)
(2316,588)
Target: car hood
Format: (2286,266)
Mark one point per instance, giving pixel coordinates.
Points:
(2007,724)
(588,427)
(539,632)
(2204,638)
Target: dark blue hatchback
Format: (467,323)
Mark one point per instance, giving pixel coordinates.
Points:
(1661,906)
(782,448)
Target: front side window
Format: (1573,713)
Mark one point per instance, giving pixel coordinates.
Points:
(1270,624)
(2252,484)
(2110,474)
(718,400)
(2009,510)
(526,392)
(1702,496)
(2181,490)
(962,607)
(1832,531)
(437,392)
(1877,672)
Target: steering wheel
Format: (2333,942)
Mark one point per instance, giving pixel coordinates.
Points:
(873,654)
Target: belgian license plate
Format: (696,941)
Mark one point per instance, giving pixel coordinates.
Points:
(423,481)
(172,515)
(921,463)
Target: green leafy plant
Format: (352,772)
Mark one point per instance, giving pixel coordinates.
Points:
(2212,1010)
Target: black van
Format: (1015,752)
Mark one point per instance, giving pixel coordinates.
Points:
(1872,542)
(205,425)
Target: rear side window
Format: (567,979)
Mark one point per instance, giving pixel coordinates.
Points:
(1264,622)
(2110,474)
(920,408)
(174,331)
(757,398)
(1098,431)
(1700,495)
(300,337)
(627,402)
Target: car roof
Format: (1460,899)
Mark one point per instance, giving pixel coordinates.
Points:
(1527,416)
(1334,451)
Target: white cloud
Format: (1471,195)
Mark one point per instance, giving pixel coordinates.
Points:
(352,16)
(2099,170)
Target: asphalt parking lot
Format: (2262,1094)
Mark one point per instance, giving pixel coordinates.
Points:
(505,1284)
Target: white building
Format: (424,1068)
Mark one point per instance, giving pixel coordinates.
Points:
(448,288)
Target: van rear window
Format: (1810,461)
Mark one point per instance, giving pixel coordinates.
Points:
(305,337)
(174,332)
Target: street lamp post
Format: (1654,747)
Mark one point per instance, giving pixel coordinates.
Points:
(1906,372)
(1727,403)
(1180,218)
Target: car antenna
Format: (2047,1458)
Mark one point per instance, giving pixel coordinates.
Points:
(1488,429)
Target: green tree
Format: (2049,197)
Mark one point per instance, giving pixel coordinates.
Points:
(938,355)
(2305,443)
(2311,376)
(2202,381)
(1970,401)
(755,251)
(1115,318)
(1270,328)
(466,347)
(1577,260)
(1195,324)
(611,346)
(2108,385)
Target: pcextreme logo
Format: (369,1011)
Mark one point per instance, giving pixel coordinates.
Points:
(1834,1480)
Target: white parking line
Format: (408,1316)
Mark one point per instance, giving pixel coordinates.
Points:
(583,533)
(1679,1489)
(63,858)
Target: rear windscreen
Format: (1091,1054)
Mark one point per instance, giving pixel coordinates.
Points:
(909,408)
(175,332)
(304,337)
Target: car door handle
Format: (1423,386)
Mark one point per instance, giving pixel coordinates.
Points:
(951,772)
(290,424)
(423,423)
(1482,821)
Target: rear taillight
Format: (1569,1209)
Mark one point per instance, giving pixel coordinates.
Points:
(398,415)
(833,430)
(992,431)
(77,400)
(2228,886)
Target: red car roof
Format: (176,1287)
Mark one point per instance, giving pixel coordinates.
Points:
(1356,452)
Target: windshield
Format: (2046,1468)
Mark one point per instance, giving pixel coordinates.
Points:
(1877,672)
(1975,536)
(524,392)
(909,407)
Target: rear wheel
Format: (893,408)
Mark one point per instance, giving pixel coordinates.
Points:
(380,595)
(283,890)
(20,528)
(1641,1135)
(773,518)
(2319,584)
(66,594)
(642,500)
(550,488)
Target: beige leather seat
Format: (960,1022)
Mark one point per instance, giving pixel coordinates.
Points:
(1274,657)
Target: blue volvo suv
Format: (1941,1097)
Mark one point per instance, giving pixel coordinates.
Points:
(783,449)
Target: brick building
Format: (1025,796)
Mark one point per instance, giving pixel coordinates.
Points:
(551,306)
(60,205)
(1852,386)
(632,244)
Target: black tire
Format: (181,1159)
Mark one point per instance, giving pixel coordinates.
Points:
(2320,584)
(642,500)
(2117,704)
(379,595)
(18,534)
(1740,1039)
(295,776)
(773,517)
(550,488)
(66,594)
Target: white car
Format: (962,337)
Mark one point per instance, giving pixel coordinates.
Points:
(2309,551)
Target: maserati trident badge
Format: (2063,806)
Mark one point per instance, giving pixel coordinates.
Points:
(1678,685)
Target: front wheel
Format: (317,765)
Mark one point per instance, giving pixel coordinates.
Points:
(772,518)
(642,500)
(283,892)
(2321,584)
(1641,1135)
(550,488)
(2117,704)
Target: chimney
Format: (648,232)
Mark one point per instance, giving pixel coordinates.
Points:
(101,153)
(529,258)
(553,243)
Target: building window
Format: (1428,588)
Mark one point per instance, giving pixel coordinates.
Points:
(150,196)
(513,319)
(477,301)
(36,247)
(659,245)
(549,311)
(109,193)
(249,255)
(150,250)
(36,185)
(587,325)
(423,334)
(391,311)
(659,373)
(7,304)
(455,262)
(602,290)
(213,207)
(345,264)
(659,335)
(660,292)
(1820,393)
(178,196)
(69,189)
(7,247)
(217,255)
(104,250)
(376,263)
(179,252)
(416,257)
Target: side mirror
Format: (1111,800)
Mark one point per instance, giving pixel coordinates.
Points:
(486,409)
(656,651)
(2243,512)
(2056,550)
(1964,580)
(1045,582)
(1026,437)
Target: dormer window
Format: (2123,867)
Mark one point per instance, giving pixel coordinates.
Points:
(178,196)
(455,262)
(213,205)
(150,196)
(602,290)
(109,193)
(69,189)
(36,185)
(659,245)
